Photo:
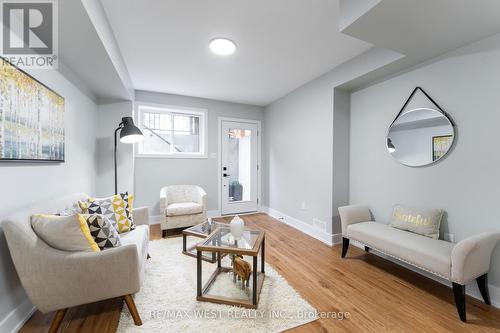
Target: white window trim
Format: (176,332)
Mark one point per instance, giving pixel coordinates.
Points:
(177,109)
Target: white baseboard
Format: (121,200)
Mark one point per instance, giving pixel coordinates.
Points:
(302,226)
(17,317)
(471,288)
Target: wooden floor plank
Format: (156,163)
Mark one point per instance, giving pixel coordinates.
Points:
(379,295)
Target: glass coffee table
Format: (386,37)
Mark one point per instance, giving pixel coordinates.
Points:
(201,230)
(221,287)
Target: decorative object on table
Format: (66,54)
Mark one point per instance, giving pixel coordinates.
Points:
(116,208)
(237,226)
(129,133)
(422,133)
(201,230)
(440,146)
(31,118)
(182,206)
(221,242)
(242,270)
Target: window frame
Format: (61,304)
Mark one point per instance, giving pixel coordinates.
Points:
(175,109)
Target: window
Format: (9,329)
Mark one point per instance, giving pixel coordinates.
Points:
(171,132)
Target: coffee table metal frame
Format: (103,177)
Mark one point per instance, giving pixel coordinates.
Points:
(220,251)
(191,251)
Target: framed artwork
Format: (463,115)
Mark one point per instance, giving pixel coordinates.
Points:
(31,118)
(440,146)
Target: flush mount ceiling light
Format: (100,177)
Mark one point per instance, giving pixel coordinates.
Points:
(222,46)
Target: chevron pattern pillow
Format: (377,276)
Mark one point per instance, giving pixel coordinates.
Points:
(116,208)
(101,230)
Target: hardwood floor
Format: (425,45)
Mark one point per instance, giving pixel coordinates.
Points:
(378,294)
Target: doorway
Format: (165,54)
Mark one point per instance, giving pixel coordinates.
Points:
(239,172)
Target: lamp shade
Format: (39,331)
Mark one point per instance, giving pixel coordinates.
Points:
(129,132)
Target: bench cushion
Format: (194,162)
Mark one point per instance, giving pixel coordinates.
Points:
(424,252)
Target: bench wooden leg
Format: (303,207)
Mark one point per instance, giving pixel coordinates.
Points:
(459,293)
(56,322)
(345,246)
(482,283)
(133,310)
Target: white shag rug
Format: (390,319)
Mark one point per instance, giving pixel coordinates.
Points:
(167,300)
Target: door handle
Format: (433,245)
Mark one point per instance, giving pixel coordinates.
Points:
(225,175)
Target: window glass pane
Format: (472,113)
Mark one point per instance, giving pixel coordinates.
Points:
(186,138)
(239,164)
(167,132)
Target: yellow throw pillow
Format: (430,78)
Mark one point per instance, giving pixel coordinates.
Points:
(66,233)
(116,208)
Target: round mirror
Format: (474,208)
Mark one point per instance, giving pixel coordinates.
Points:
(420,137)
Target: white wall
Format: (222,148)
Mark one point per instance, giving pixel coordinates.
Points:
(299,140)
(110,116)
(151,174)
(341,118)
(22,184)
(298,144)
(466,84)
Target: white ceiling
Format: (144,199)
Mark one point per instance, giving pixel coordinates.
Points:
(418,29)
(281,44)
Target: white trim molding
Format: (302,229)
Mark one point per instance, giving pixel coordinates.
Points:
(219,158)
(201,113)
(15,320)
(302,226)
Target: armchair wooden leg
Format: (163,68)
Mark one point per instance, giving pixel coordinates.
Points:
(345,246)
(133,310)
(56,322)
(459,293)
(482,283)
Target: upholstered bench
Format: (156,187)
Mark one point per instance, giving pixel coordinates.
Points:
(459,263)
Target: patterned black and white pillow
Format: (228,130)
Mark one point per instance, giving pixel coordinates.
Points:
(102,231)
(116,208)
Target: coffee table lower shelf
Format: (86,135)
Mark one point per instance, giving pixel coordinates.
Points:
(250,304)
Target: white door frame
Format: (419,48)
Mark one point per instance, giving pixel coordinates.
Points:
(219,158)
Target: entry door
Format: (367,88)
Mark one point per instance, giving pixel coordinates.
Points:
(239,167)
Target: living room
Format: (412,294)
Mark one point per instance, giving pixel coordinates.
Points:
(264,166)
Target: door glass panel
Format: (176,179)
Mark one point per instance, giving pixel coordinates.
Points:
(239,164)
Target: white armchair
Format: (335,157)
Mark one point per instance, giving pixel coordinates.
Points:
(182,206)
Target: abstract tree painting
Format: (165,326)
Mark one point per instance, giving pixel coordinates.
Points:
(31,118)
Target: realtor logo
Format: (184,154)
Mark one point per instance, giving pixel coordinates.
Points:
(29,33)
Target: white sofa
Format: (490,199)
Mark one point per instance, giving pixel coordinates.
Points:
(459,263)
(57,280)
(182,206)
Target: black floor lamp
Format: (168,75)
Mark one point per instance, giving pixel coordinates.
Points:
(129,133)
